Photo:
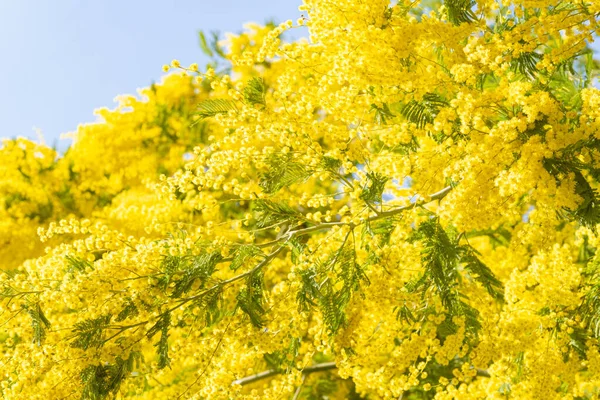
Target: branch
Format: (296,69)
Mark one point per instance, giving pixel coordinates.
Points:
(432,197)
(326,225)
(272,372)
(308,370)
(287,237)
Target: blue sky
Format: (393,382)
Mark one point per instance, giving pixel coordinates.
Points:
(62,59)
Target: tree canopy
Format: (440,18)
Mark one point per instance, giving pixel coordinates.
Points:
(403,205)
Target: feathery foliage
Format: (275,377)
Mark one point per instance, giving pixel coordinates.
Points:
(460,11)
(282,172)
(423,112)
(162,346)
(39,322)
(91,332)
(212,107)
(255,92)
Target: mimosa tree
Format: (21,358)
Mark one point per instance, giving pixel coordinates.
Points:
(403,205)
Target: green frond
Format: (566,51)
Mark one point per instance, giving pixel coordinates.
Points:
(382,114)
(460,11)
(129,309)
(210,302)
(298,246)
(481,272)
(441,256)
(255,92)
(39,322)
(320,289)
(588,212)
(204,44)
(90,333)
(423,112)
(198,271)
(526,64)
(268,213)
(212,107)
(102,381)
(211,48)
(75,264)
(285,357)
(251,298)
(382,229)
(162,346)
(244,254)
(330,164)
(374,187)
(283,171)
(169,266)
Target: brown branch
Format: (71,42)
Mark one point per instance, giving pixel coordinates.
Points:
(309,370)
(272,372)
(436,196)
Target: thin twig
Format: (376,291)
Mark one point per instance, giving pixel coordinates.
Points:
(309,370)
(272,372)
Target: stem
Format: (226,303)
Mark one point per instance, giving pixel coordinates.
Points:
(272,372)
(436,196)
(309,370)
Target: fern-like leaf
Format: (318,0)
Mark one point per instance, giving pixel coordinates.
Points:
(90,333)
(374,188)
(212,107)
(269,213)
(243,254)
(251,299)
(283,171)
(481,272)
(460,11)
(526,64)
(39,322)
(162,346)
(423,112)
(255,92)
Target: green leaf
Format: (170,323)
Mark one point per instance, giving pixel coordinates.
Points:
(170,265)
(204,44)
(78,264)
(210,301)
(374,189)
(423,112)
(212,107)
(283,171)
(104,380)
(243,254)
(90,333)
(440,257)
(162,346)
(255,92)
(277,359)
(319,288)
(588,212)
(251,298)
(330,164)
(481,272)
(526,64)
(268,213)
(39,322)
(199,270)
(129,310)
(460,11)
(298,246)
(382,114)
